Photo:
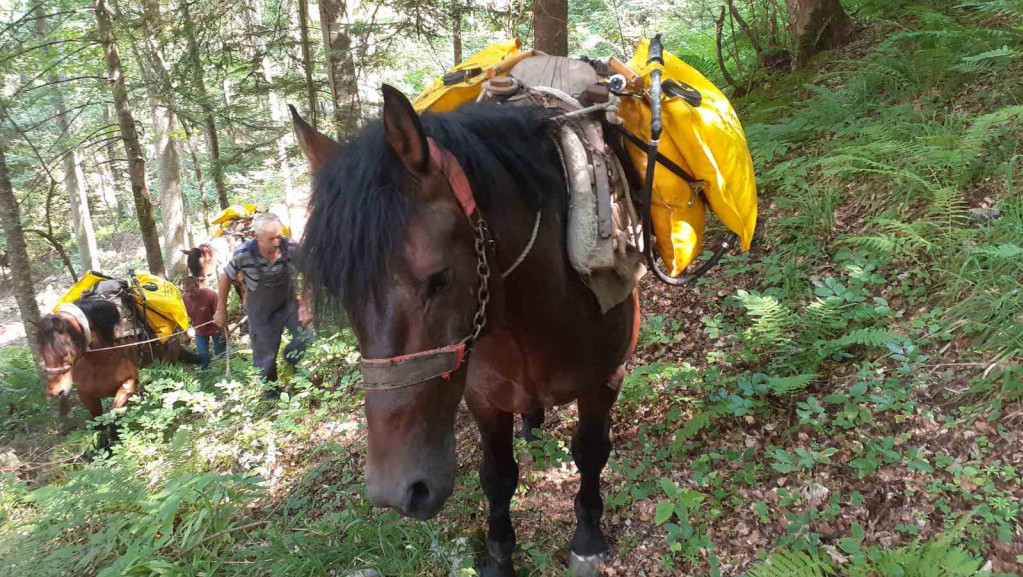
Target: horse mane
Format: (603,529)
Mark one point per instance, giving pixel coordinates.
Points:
(102,315)
(194,261)
(359,212)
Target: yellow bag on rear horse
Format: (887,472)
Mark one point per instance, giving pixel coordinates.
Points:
(710,142)
(165,310)
(236,211)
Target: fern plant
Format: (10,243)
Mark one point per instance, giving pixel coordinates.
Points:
(793,564)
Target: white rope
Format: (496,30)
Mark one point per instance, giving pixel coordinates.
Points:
(135,344)
(532,239)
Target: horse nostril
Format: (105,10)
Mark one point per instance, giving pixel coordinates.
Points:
(419,497)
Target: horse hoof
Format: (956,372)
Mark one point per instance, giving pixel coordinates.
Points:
(491,568)
(585,566)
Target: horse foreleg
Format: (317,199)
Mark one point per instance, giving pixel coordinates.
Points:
(531,421)
(499,475)
(591,447)
(124,393)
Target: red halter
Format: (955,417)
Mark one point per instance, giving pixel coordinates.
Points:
(407,370)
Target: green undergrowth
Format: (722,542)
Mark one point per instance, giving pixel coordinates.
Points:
(186,490)
(880,310)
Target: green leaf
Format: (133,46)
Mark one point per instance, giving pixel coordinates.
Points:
(669,487)
(691,498)
(663,512)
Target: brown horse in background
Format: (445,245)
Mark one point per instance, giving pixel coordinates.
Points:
(210,257)
(412,227)
(70,353)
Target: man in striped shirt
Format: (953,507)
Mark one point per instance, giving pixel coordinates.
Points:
(266,265)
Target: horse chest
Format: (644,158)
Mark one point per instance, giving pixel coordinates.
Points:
(516,377)
(100,374)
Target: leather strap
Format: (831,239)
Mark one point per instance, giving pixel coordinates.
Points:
(407,370)
(79,316)
(446,162)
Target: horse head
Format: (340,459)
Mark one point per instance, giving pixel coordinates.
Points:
(390,240)
(61,343)
(65,336)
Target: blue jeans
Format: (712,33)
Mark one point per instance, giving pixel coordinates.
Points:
(202,346)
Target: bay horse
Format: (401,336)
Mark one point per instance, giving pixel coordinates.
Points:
(422,229)
(211,256)
(68,341)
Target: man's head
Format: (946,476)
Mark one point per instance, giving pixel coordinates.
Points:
(267,229)
(191,284)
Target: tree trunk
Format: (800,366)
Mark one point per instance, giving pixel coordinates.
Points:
(550,26)
(337,45)
(816,25)
(456,34)
(74,177)
(200,180)
(307,59)
(17,256)
(209,123)
(165,126)
(719,25)
(116,178)
(273,103)
(132,148)
(74,182)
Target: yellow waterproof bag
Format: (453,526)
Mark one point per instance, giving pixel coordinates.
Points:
(236,211)
(710,142)
(165,310)
(676,211)
(462,83)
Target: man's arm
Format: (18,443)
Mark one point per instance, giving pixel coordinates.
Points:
(223,289)
(305,301)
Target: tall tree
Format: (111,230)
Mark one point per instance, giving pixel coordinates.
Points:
(74,182)
(337,46)
(816,25)
(550,26)
(253,22)
(208,121)
(165,124)
(307,59)
(17,255)
(456,32)
(116,178)
(74,177)
(129,134)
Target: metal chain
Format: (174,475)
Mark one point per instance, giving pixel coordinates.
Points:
(479,320)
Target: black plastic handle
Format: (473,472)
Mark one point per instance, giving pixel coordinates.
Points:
(673,88)
(459,76)
(656,52)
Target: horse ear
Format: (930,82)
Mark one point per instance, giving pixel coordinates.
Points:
(404,133)
(183,251)
(316,147)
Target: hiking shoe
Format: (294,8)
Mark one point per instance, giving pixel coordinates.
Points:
(272,393)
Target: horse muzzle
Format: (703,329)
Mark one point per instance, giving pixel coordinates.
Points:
(419,498)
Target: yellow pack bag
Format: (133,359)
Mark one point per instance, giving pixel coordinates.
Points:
(165,309)
(710,142)
(676,212)
(494,60)
(236,211)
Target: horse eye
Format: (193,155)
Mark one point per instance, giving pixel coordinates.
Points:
(437,282)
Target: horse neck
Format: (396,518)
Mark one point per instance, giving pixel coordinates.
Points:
(92,315)
(511,218)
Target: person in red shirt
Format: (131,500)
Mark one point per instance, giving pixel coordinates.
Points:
(201,304)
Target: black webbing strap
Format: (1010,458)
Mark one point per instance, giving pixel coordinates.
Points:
(663,160)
